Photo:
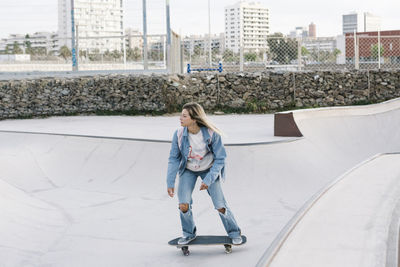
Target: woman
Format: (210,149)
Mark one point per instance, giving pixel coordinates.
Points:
(197,150)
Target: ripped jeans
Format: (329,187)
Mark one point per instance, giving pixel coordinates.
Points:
(187,183)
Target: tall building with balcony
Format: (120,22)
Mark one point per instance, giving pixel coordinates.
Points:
(100,19)
(360,22)
(247,24)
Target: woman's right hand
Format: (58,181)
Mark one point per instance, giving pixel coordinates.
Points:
(171,192)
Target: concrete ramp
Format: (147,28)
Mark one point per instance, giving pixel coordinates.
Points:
(102,201)
(349,231)
(354,223)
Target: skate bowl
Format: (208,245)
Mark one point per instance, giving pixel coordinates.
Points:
(76,196)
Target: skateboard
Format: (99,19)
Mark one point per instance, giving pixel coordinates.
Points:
(207,240)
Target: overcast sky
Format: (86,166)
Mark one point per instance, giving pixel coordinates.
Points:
(191,16)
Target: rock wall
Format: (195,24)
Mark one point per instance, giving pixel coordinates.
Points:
(245,92)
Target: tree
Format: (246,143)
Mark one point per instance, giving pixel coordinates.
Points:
(28,45)
(17,49)
(107,55)
(65,52)
(215,54)
(116,54)
(229,56)
(336,52)
(133,54)
(250,56)
(42,51)
(83,53)
(156,54)
(215,51)
(197,50)
(95,55)
(282,50)
(374,51)
(304,51)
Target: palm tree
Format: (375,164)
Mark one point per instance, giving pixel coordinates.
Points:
(65,52)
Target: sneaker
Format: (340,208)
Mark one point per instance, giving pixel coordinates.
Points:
(186,240)
(237,240)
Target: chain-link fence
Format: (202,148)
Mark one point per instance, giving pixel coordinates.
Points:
(25,53)
(274,53)
(197,52)
(370,50)
(349,52)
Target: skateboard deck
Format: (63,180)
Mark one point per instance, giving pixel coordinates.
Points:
(207,240)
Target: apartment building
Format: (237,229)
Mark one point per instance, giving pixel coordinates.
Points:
(247,24)
(299,32)
(40,42)
(201,43)
(134,38)
(327,44)
(97,22)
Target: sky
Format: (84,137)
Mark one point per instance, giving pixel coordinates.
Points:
(191,16)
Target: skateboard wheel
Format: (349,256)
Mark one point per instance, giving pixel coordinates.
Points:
(228,249)
(185,251)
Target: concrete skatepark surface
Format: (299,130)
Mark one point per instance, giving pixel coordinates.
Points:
(87,193)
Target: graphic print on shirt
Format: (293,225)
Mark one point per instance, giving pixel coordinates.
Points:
(199,158)
(194,158)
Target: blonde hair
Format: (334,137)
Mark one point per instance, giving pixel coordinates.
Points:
(196,112)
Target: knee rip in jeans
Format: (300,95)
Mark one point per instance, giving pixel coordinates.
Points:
(222,210)
(184,207)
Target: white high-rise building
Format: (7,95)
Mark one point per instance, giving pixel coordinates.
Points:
(360,22)
(248,23)
(94,18)
(372,23)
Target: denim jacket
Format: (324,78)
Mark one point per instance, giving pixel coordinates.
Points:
(178,156)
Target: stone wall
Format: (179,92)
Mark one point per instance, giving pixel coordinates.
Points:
(249,92)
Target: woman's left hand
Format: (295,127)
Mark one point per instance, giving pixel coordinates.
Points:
(203,186)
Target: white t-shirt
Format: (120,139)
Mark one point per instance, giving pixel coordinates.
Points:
(199,158)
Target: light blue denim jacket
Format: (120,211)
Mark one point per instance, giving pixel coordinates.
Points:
(178,156)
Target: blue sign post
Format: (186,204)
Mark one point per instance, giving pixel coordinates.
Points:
(73,46)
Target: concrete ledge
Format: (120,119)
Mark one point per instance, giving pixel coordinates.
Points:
(362,110)
(286,123)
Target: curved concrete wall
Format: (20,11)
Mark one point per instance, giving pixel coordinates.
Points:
(353,133)
(350,224)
